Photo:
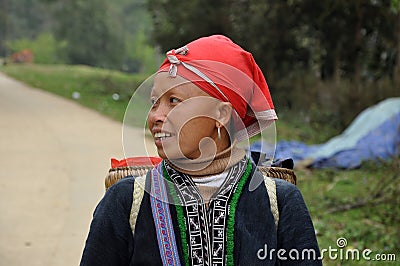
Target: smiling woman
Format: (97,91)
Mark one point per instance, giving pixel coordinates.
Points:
(183,116)
(203,203)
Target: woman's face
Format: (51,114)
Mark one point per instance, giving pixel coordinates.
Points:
(182,119)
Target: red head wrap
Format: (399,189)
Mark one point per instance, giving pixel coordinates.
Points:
(227,72)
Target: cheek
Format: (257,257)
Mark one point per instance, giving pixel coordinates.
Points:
(195,130)
(150,118)
(149,122)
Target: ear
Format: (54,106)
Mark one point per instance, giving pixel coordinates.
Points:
(224,113)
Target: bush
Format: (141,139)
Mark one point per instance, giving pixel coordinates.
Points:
(44,48)
(317,103)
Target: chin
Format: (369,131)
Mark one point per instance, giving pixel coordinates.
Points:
(172,155)
(161,154)
(167,155)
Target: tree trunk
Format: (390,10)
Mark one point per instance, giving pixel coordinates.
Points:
(336,65)
(357,48)
(397,67)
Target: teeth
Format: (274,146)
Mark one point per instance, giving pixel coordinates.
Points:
(162,135)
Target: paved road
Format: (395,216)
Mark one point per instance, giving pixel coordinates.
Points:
(54,155)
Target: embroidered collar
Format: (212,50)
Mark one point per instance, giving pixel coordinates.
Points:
(207,231)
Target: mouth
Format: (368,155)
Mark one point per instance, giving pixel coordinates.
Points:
(162,135)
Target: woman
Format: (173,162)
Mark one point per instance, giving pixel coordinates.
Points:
(202,207)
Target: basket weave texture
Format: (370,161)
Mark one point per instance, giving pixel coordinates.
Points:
(115,174)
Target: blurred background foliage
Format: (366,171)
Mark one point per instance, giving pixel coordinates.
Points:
(324,60)
(106,34)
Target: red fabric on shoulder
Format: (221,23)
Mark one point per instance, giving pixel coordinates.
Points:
(135,161)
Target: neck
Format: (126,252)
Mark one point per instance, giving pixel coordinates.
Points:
(209,166)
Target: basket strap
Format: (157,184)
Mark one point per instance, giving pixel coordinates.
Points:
(138,192)
(273,199)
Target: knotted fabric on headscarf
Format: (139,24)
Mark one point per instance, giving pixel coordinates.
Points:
(227,72)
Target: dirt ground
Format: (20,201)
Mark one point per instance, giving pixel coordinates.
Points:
(54,155)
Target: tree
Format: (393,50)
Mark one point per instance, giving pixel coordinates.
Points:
(270,30)
(395,6)
(21,19)
(176,22)
(88,35)
(3,27)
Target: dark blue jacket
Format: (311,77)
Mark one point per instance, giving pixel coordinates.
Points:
(256,241)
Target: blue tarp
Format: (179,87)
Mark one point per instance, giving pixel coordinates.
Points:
(373,135)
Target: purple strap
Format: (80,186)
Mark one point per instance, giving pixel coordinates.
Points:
(162,219)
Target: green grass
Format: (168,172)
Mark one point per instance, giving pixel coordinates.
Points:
(373,225)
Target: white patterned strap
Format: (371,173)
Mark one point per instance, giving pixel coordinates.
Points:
(273,199)
(138,192)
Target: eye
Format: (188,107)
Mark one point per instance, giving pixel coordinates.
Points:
(174,100)
(153,100)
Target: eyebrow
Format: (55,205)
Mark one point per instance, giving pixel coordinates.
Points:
(171,90)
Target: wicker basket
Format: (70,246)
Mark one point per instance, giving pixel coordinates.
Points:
(115,174)
(119,172)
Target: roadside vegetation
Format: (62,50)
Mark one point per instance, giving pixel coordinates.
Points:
(361,205)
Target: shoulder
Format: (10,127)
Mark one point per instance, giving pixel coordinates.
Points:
(287,193)
(284,188)
(119,194)
(125,185)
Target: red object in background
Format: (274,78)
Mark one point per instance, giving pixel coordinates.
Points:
(23,56)
(135,161)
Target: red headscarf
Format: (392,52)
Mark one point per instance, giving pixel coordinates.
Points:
(227,72)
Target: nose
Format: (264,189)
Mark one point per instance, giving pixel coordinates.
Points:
(158,113)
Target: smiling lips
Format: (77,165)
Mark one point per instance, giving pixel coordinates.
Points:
(162,135)
(160,138)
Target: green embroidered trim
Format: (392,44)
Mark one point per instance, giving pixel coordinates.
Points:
(181,217)
(232,211)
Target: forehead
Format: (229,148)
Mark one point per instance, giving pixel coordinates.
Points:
(164,84)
